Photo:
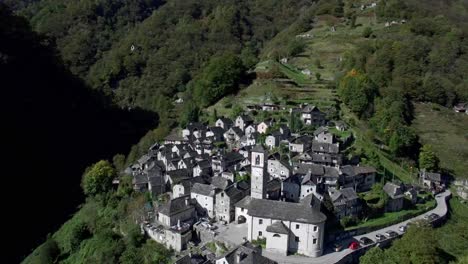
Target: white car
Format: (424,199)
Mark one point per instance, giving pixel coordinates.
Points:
(402,228)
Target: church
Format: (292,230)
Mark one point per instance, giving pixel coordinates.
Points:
(288,228)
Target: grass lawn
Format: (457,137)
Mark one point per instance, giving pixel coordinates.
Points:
(394,217)
(447,132)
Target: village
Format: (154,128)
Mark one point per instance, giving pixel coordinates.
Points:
(224,192)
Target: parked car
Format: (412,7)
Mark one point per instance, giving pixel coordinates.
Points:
(353,245)
(365,241)
(337,247)
(391,233)
(379,237)
(402,228)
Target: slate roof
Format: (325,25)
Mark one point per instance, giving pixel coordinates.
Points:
(178,175)
(320,130)
(393,190)
(346,194)
(226,121)
(309,108)
(246,118)
(220,182)
(140,178)
(432,176)
(273,185)
(249,255)
(204,164)
(325,147)
(217,130)
(203,189)
(304,139)
(258,148)
(175,206)
(286,211)
(303,168)
(244,202)
(174,137)
(364,170)
(277,227)
(233,157)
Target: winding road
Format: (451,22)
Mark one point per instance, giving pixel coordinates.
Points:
(330,256)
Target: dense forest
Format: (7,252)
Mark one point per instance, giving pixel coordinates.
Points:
(425,59)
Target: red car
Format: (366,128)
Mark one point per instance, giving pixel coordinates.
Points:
(353,245)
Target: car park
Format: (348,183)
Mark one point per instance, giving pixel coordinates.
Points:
(365,241)
(391,234)
(379,237)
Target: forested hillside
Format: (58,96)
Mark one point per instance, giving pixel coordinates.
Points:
(53,126)
(424,58)
(171,40)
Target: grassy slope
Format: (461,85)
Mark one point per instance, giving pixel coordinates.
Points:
(447,132)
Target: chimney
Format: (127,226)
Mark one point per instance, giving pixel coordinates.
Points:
(239,256)
(187,202)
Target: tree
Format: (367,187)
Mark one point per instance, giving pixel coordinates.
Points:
(119,162)
(402,141)
(295,122)
(48,252)
(236,111)
(428,159)
(367,32)
(214,116)
(190,113)
(318,64)
(98,178)
(358,92)
(219,78)
(318,76)
(374,255)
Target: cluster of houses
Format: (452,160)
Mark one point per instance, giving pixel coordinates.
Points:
(226,174)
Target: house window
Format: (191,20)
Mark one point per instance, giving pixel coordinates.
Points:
(259,233)
(297,226)
(260,221)
(315,228)
(222,194)
(296,239)
(242,209)
(225,210)
(314,241)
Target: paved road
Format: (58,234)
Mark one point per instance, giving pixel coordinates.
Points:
(333,257)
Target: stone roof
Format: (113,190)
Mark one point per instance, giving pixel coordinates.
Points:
(343,195)
(220,182)
(273,185)
(325,147)
(178,175)
(174,137)
(247,254)
(277,227)
(203,189)
(432,176)
(286,211)
(225,120)
(304,139)
(309,108)
(176,205)
(233,156)
(393,190)
(364,170)
(258,148)
(320,130)
(204,164)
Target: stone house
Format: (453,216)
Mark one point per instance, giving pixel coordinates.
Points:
(225,200)
(345,202)
(360,178)
(432,180)
(263,127)
(224,123)
(176,211)
(233,136)
(311,115)
(204,194)
(300,144)
(277,168)
(202,167)
(322,135)
(396,196)
(246,253)
(243,121)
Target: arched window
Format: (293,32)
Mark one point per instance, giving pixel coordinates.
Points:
(276,235)
(257,160)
